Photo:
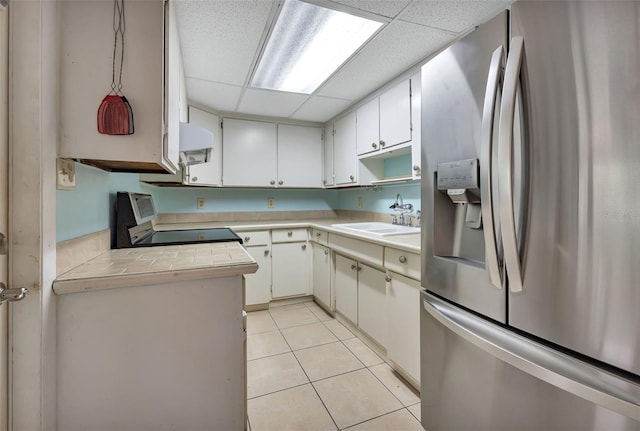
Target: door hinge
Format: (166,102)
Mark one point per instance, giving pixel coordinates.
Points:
(4,247)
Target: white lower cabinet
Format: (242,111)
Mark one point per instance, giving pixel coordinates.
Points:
(403,306)
(372,303)
(290,269)
(346,287)
(322,275)
(258,284)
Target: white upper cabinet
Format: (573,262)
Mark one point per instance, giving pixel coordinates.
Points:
(344,147)
(299,156)
(250,153)
(85,59)
(328,178)
(368,127)
(265,154)
(385,121)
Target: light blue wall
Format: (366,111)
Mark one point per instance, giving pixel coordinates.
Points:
(89,207)
(397,166)
(379,199)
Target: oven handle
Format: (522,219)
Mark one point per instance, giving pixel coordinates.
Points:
(563,371)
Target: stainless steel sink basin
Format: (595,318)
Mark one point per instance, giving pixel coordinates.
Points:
(378,228)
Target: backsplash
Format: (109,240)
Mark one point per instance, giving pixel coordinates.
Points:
(89,207)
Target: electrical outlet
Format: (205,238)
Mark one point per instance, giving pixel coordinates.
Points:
(200,203)
(359,202)
(270,202)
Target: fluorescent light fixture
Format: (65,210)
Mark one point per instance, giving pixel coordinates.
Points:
(308,43)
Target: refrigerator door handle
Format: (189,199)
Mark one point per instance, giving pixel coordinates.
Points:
(560,370)
(505,165)
(486,168)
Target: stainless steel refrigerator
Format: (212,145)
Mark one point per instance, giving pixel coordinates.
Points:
(530,313)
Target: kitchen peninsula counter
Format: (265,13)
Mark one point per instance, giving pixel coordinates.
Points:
(153,265)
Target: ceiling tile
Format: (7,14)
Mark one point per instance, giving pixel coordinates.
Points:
(396,49)
(220,97)
(454,16)
(220,38)
(270,103)
(386,8)
(321,109)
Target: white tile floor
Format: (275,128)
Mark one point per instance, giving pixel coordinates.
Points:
(307,371)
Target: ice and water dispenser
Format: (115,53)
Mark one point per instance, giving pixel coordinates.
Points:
(458,211)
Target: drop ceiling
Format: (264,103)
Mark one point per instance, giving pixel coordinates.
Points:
(221,42)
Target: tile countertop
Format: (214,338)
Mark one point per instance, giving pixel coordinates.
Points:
(154,265)
(408,242)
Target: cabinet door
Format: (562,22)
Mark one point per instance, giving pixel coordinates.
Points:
(395,115)
(403,342)
(85,69)
(322,275)
(250,153)
(344,145)
(346,287)
(372,303)
(210,173)
(290,275)
(329,176)
(258,284)
(299,156)
(368,127)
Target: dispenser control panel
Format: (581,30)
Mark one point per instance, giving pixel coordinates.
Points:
(461,174)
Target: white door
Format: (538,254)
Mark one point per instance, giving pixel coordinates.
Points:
(290,276)
(4,199)
(347,287)
(299,156)
(322,274)
(395,115)
(258,284)
(329,176)
(368,127)
(372,303)
(344,150)
(250,153)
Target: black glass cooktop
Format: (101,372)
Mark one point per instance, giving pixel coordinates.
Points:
(192,236)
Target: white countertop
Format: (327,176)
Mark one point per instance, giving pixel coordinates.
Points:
(155,265)
(408,242)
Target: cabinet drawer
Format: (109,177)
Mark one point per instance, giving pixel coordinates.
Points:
(361,250)
(255,238)
(320,236)
(402,262)
(288,235)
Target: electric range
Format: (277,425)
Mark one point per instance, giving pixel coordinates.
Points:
(134,227)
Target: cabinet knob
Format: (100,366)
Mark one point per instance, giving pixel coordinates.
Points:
(416,168)
(352,178)
(280,182)
(273,182)
(266,253)
(374,145)
(247,238)
(289,233)
(353,267)
(402,259)
(304,246)
(194,179)
(358,268)
(382,143)
(318,234)
(387,278)
(326,252)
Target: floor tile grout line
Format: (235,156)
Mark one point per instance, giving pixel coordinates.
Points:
(373,418)
(280,390)
(383,384)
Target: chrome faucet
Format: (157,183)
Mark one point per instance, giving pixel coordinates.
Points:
(402,208)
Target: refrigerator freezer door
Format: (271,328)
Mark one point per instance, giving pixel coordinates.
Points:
(479,376)
(454,92)
(581,77)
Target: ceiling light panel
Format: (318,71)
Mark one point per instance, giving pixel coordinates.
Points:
(308,43)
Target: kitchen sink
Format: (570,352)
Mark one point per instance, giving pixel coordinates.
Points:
(379,228)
